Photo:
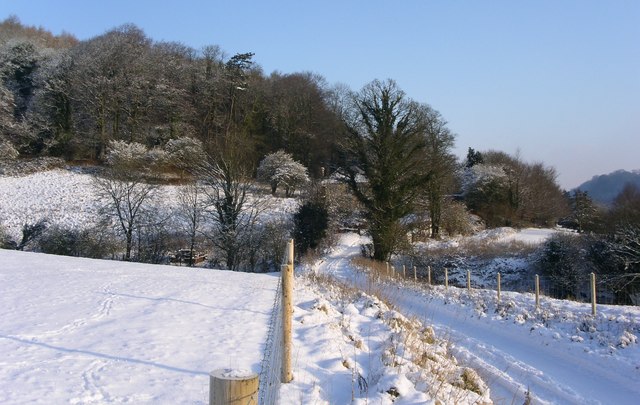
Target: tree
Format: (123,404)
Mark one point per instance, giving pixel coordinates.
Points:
(562,262)
(310,225)
(505,191)
(473,158)
(279,169)
(385,159)
(191,212)
(625,209)
(583,211)
(226,183)
(616,259)
(442,165)
(124,190)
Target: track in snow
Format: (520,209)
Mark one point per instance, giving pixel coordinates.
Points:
(511,360)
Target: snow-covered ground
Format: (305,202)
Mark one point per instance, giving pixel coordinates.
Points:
(82,331)
(67,197)
(86,331)
(559,353)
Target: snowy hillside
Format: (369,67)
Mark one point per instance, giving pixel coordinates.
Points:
(67,197)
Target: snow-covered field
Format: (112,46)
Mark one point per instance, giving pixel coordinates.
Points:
(67,197)
(85,331)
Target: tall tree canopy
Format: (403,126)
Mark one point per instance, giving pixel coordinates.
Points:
(385,158)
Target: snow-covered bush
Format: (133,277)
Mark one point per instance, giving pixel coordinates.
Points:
(280,169)
(184,152)
(126,154)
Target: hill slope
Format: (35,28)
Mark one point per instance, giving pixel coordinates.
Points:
(604,188)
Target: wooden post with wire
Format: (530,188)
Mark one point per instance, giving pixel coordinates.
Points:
(446,278)
(499,287)
(469,280)
(287,313)
(593,294)
(415,274)
(537,291)
(404,271)
(429,275)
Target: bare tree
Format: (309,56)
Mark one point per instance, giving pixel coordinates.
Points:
(125,192)
(191,212)
(227,185)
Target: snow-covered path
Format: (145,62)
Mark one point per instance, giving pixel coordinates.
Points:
(512,358)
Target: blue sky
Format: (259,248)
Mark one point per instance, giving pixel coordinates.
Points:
(558,81)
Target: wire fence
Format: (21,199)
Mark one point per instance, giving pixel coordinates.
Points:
(271,365)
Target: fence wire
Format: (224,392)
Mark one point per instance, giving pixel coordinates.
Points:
(271,365)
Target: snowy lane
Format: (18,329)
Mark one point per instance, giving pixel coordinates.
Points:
(512,358)
(520,361)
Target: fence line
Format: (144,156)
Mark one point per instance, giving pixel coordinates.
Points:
(275,367)
(536,284)
(271,365)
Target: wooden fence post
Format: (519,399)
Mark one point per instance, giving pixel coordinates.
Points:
(537,291)
(404,271)
(469,280)
(233,387)
(287,313)
(415,274)
(429,275)
(593,294)
(393,272)
(387,263)
(499,287)
(446,278)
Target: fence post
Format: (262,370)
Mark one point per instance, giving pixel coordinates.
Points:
(287,312)
(387,273)
(232,387)
(469,280)
(393,272)
(537,291)
(446,278)
(429,275)
(499,287)
(415,274)
(593,294)
(404,271)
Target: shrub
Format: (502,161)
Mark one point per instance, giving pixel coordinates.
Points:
(94,242)
(310,225)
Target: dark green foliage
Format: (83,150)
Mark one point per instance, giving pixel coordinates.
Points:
(473,158)
(385,160)
(561,262)
(310,226)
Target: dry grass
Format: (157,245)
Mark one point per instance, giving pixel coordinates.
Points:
(413,347)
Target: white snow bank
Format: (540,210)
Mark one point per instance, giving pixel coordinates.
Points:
(84,331)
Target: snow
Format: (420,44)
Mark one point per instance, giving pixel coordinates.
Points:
(67,197)
(84,331)
(558,353)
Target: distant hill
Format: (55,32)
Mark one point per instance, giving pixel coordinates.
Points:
(604,188)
